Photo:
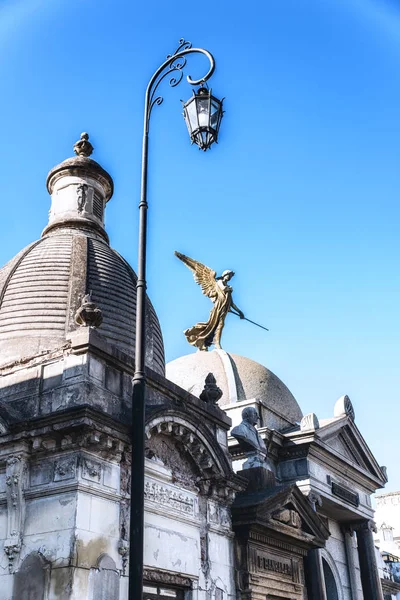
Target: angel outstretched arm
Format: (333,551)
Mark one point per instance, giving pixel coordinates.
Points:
(236,310)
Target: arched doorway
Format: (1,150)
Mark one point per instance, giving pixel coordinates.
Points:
(330,583)
(30,579)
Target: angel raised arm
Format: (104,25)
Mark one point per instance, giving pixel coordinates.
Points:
(203,335)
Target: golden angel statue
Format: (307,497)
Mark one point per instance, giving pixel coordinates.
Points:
(203,335)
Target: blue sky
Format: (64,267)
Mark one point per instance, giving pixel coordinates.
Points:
(300,197)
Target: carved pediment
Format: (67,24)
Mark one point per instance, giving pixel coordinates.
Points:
(345,439)
(343,443)
(285,510)
(191,453)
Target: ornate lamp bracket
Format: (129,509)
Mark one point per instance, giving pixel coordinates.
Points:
(175,63)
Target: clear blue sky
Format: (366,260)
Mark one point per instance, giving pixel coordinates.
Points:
(300,197)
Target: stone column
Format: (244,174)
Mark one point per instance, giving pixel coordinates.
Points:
(314,573)
(351,567)
(371,583)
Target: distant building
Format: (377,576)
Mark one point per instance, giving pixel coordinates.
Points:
(297,526)
(387,539)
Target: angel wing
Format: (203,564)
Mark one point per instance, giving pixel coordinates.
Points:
(203,275)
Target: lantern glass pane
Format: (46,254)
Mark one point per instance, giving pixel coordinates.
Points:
(203,110)
(192,115)
(215,108)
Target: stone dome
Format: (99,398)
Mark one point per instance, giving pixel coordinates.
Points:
(42,288)
(240,379)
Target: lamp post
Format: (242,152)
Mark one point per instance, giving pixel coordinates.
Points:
(203,115)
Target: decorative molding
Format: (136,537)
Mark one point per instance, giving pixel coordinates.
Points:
(217,480)
(315,499)
(293,452)
(309,422)
(170,497)
(91,470)
(80,436)
(344,407)
(270,541)
(166,578)
(333,462)
(350,446)
(65,469)
(16,469)
(362,526)
(193,442)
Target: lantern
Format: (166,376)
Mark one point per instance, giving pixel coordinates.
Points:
(203,114)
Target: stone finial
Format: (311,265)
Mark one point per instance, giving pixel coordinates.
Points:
(83,147)
(309,422)
(211,392)
(88,314)
(344,407)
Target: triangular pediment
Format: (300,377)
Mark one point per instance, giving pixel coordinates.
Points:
(283,509)
(342,443)
(344,438)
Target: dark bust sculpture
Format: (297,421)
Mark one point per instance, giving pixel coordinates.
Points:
(249,439)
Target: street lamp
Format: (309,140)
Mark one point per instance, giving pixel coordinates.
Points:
(204,113)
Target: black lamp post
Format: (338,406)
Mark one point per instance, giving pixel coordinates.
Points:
(203,115)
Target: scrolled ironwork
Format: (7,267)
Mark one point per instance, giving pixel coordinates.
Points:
(175,63)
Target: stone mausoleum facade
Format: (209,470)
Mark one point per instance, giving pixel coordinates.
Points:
(214,529)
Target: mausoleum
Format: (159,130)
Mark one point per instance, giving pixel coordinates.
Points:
(282,512)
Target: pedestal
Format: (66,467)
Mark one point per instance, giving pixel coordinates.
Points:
(259,479)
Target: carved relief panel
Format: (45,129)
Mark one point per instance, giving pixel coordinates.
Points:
(16,473)
(275,568)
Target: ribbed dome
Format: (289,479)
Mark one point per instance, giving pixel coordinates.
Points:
(42,288)
(239,379)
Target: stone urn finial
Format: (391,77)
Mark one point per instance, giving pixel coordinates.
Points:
(211,392)
(88,314)
(83,147)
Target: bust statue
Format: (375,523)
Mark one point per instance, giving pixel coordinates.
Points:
(250,440)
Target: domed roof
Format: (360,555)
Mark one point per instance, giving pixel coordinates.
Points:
(239,378)
(42,288)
